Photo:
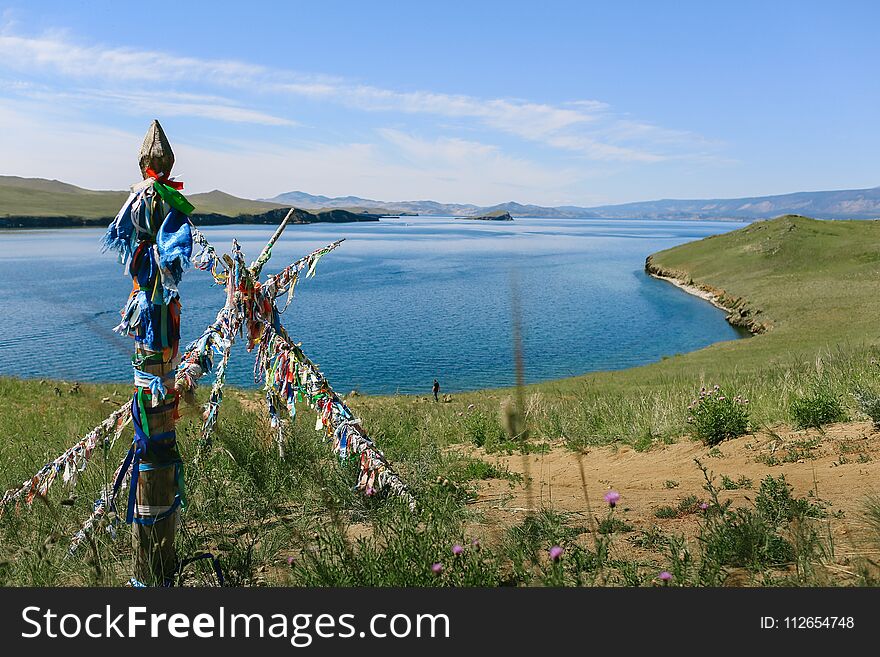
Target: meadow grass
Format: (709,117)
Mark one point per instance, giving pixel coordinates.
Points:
(294,519)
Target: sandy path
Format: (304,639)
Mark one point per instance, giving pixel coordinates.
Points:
(840,465)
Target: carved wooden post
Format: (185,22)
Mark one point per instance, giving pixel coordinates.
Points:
(155,516)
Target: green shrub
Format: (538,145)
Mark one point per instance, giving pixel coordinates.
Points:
(686,506)
(484,430)
(744,538)
(776,504)
(729,484)
(818,407)
(715,416)
(869,404)
(773,533)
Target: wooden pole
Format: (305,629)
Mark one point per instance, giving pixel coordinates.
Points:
(257,265)
(155,559)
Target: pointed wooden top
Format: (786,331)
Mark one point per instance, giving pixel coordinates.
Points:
(156,153)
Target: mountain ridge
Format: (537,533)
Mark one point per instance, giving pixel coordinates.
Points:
(34,198)
(831,204)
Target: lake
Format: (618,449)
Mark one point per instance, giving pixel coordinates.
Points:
(400,302)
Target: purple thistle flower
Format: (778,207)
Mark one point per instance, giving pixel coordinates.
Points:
(665,576)
(555,553)
(612,497)
(289,561)
(703,506)
(370,491)
(457,549)
(437,568)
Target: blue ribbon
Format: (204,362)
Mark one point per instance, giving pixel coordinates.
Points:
(157,388)
(137,451)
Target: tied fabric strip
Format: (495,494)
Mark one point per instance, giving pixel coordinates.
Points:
(70,463)
(163,448)
(156,384)
(154,235)
(251,305)
(248,302)
(290,376)
(165,180)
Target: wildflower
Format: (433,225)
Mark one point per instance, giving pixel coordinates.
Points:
(665,576)
(612,497)
(289,561)
(555,553)
(457,549)
(476,543)
(437,568)
(370,491)
(703,506)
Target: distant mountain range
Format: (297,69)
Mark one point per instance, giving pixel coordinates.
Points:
(40,202)
(841,204)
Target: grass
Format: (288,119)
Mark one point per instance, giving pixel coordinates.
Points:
(35,197)
(294,520)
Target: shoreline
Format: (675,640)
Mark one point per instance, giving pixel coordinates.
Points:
(739,313)
(692,289)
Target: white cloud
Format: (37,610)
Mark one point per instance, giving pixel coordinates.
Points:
(586,128)
(169,103)
(445,169)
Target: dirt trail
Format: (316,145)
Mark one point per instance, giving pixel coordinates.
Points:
(840,465)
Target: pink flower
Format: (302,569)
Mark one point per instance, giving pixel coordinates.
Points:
(370,491)
(555,553)
(289,561)
(665,576)
(457,549)
(703,506)
(437,568)
(612,497)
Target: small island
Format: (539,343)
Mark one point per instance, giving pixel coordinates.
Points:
(495,215)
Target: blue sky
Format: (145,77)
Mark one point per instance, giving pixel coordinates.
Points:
(544,102)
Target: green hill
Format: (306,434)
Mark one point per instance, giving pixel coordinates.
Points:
(217,202)
(812,283)
(37,198)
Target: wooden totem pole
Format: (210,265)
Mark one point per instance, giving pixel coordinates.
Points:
(154,235)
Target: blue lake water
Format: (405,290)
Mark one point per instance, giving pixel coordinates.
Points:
(401,302)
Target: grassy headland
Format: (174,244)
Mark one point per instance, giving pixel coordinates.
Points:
(815,285)
(39,203)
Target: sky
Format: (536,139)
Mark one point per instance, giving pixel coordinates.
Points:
(553,103)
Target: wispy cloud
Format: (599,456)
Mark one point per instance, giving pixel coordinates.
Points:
(138,103)
(445,169)
(589,129)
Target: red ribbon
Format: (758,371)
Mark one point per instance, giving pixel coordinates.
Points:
(165,180)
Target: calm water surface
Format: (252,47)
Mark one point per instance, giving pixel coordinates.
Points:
(401,302)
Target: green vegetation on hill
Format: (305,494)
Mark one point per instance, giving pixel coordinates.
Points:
(217,202)
(815,283)
(35,197)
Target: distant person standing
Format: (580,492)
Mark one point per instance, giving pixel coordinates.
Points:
(436,389)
